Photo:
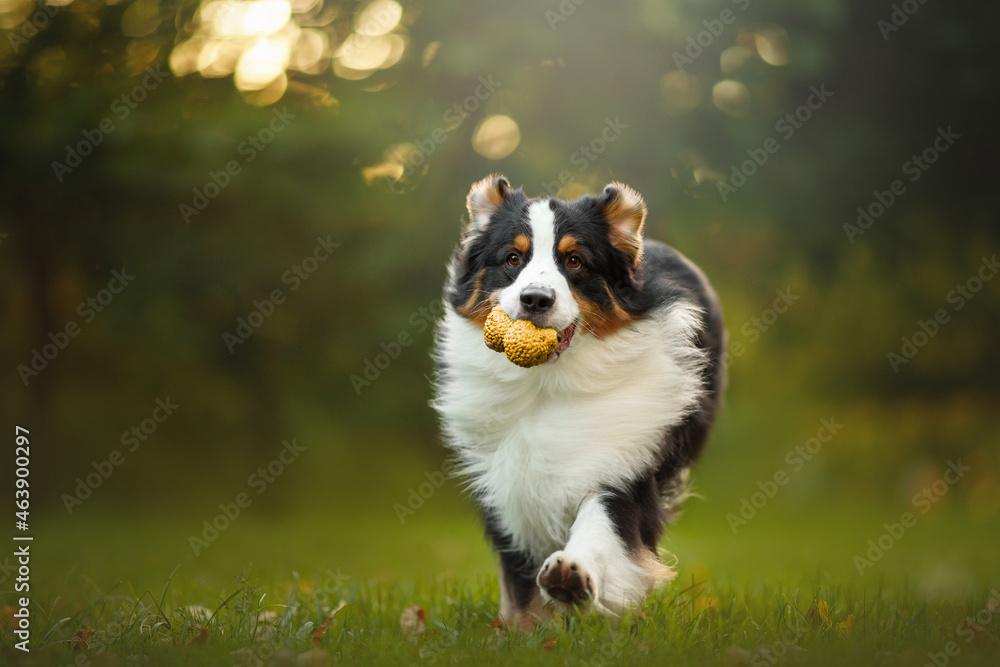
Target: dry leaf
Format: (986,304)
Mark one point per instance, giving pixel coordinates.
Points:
(709,605)
(413,621)
(82,638)
(844,627)
(820,614)
(199,638)
(549,643)
(318,633)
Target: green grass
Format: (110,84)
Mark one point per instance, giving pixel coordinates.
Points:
(135,582)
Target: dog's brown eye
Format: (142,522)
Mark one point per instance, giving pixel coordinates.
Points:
(513,259)
(574,262)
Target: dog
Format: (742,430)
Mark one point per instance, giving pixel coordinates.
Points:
(576,464)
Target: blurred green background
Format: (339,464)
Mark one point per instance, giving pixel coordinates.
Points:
(208,148)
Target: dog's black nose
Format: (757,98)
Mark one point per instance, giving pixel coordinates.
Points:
(537,299)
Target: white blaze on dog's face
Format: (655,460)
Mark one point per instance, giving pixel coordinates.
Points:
(541,292)
(557,263)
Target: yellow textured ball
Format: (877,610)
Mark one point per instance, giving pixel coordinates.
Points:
(524,344)
(497,324)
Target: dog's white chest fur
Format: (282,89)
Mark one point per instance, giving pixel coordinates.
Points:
(533,443)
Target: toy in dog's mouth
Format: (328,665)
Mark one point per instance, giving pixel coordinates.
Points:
(524,344)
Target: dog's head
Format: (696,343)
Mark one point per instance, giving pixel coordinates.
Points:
(560,264)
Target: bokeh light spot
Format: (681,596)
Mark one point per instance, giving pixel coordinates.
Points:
(731,97)
(733,58)
(772,45)
(496,137)
(378,18)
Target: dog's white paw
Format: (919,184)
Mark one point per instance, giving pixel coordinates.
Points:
(567,580)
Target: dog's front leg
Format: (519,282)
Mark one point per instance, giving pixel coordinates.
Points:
(597,564)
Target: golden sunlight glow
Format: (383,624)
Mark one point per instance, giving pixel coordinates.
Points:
(731,97)
(269,94)
(184,57)
(263,42)
(379,17)
(680,91)
(362,52)
(772,45)
(312,47)
(496,137)
(246,19)
(261,64)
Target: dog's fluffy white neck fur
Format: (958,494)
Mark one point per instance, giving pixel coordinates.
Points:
(533,443)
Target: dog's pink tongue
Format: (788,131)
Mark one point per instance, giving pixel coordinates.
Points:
(564,338)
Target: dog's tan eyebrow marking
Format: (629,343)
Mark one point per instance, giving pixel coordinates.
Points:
(522,244)
(568,244)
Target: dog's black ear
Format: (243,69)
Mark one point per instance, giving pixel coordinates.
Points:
(625,212)
(484,198)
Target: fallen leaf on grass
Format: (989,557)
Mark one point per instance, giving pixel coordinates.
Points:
(317,635)
(709,605)
(844,627)
(413,621)
(549,643)
(81,639)
(820,614)
(199,638)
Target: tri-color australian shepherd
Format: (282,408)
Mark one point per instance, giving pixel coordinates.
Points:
(576,464)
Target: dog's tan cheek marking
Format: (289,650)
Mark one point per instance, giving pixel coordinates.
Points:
(478,308)
(465,310)
(522,244)
(598,321)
